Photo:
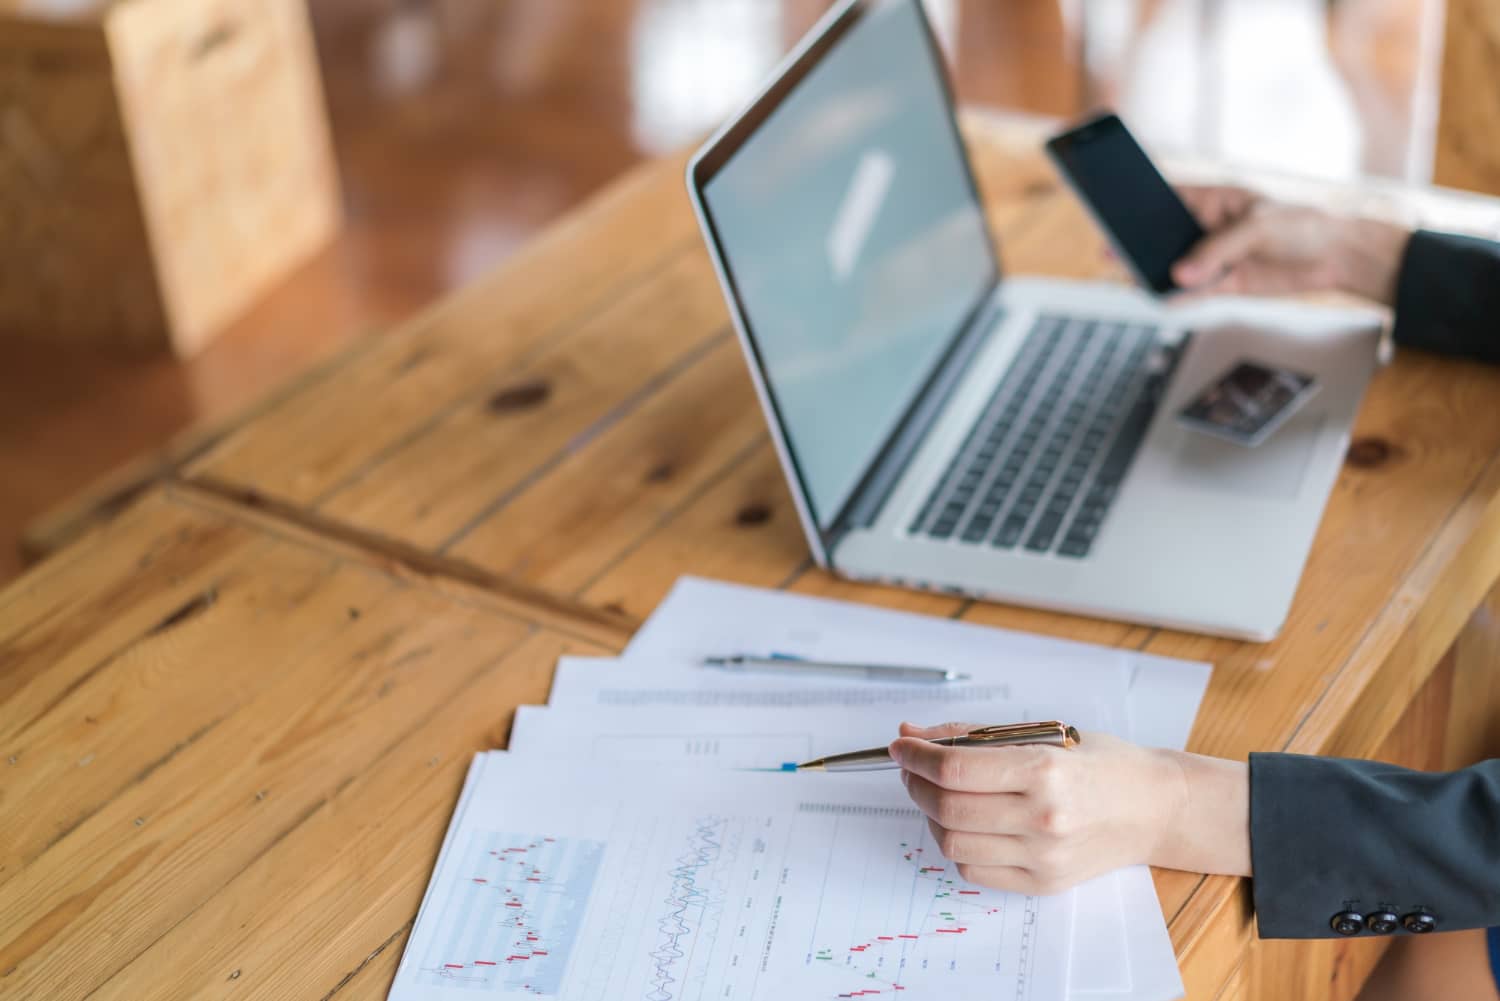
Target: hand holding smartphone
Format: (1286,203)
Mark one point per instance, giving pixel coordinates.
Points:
(1145,221)
(1151,228)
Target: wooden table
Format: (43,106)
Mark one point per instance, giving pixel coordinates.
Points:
(529,466)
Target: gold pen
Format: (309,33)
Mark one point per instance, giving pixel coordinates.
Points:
(877,758)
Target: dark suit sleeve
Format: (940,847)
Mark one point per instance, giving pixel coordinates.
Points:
(1331,838)
(1448,296)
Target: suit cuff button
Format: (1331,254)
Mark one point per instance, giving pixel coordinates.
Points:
(1383,922)
(1348,922)
(1419,923)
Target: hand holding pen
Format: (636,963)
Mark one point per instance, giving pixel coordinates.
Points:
(875,759)
(1038,819)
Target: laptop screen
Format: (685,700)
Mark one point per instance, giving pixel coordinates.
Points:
(850,229)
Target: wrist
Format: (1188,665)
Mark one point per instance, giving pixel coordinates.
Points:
(1205,822)
(1369,258)
(1170,805)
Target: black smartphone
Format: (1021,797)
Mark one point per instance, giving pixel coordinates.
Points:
(1144,219)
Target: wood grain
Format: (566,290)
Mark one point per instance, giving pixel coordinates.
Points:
(464,349)
(216,718)
(1474,720)
(1468,140)
(108,495)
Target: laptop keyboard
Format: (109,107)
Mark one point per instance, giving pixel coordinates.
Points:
(1044,462)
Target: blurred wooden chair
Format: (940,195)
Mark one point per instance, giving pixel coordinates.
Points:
(1468,141)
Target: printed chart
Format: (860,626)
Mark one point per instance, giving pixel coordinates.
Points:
(681,883)
(912,921)
(514,922)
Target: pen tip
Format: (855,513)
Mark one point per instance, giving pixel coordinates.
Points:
(960,676)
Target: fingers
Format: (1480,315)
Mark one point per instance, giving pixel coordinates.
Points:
(978,849)
(977,813)
(1010,879)
(1000,862)
(1217,205)
(967,769)
(1216,256)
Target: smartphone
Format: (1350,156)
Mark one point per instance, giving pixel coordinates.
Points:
(1146,222)
(1249,402)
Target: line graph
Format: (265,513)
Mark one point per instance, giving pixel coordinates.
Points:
(515,920)
(692,904)
(914,920)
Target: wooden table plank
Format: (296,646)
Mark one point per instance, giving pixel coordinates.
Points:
(466,346)
(582,383)
(281,751)
(628,478)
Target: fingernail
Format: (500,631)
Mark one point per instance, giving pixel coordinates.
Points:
(896,755)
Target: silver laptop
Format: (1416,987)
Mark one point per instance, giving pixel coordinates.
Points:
(944,426)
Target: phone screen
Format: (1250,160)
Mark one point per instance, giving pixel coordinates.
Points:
(1145,219)
(1249,402)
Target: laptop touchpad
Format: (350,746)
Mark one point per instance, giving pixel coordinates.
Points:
(1272,471)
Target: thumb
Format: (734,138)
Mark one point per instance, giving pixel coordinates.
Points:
(932,732)
(1219,253)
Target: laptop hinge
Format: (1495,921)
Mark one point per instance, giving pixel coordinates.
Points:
(885,472)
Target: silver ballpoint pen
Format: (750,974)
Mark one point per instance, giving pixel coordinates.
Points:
(879,758)
(861,672)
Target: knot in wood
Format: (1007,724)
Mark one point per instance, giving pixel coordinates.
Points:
(1369,453)
(753,514)
(520,397)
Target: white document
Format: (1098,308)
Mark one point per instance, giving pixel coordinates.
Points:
(641,684)
(726,738)
(702,618)
(1164,699)
(582,880)
(1152,960)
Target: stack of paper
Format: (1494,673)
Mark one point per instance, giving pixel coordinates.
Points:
(642,838)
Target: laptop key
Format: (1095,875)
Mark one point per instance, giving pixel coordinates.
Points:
(1010,532)
(977,530)
(1044,534)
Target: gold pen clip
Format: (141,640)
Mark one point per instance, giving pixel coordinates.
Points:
(1050,732)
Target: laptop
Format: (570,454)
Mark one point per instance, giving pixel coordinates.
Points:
(946,426)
